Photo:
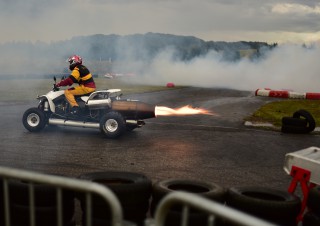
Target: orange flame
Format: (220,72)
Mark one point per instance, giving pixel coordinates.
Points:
(186,110)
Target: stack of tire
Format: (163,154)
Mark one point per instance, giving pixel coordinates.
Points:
(45,200)
(207,190)
(275,206)
(133,191)
(301,122)
(312,216)
(1,203)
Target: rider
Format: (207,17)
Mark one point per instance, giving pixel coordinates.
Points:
(81,75)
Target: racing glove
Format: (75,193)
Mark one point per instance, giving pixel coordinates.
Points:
(66,82)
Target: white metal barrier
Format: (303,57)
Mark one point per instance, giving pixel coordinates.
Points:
(59,183)
(213,209)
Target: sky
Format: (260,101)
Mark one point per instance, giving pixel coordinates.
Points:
(281,21)
(286,22)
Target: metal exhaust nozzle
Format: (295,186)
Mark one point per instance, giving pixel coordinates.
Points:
(134,109)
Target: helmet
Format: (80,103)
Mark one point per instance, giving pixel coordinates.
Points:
(74,61)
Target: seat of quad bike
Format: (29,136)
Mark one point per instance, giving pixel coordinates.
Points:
(85,98)
(102,95)
(97,100)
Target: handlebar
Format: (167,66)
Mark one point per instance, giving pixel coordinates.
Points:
(55,88)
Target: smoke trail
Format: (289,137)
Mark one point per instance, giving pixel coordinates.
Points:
(285,67)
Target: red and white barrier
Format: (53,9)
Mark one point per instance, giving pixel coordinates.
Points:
(286,94)
(315,96)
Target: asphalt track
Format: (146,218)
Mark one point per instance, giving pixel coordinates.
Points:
(219,149)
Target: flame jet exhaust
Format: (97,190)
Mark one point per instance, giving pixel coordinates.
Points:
(140,110)
(186,110)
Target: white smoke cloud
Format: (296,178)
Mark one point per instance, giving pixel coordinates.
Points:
(286,67)
(287,8)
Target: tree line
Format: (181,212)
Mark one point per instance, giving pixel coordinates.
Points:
(116,48)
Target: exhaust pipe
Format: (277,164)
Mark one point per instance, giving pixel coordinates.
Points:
(63,122)
(134,109)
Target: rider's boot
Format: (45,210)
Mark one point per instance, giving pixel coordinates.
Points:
(75,110)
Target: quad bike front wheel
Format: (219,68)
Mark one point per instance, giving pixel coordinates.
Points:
(34,119)
(112,124)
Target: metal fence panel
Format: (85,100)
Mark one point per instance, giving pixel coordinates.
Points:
(59,183)
(213,209)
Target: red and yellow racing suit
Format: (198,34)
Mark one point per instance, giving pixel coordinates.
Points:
(81,75)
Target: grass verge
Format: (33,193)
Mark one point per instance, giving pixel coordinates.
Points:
(274,112)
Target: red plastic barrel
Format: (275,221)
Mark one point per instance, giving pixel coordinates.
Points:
(170,85)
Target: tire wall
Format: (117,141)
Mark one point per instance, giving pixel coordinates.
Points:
(45,198)
(312,215)
(279,207)
(205,189)
(133,191)
(301,122)
(1,203)
(139,199)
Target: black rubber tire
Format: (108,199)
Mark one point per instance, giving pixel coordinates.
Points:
(310,219)
(136,214)
(132,189)
(305,114)
(1,203)
(20,215)
(103,222)
(294,129)
(290,121)
(313,202)
(45,195)
(34,119)
(195,218)
(205,189)
(45,203)
(112,124)
(209,190)
(279,207)
(123,183)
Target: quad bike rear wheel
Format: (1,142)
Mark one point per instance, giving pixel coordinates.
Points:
(112,124)
(34,119)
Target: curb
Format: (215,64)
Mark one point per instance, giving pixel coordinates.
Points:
(268,125)
(252,124)
(266,92)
